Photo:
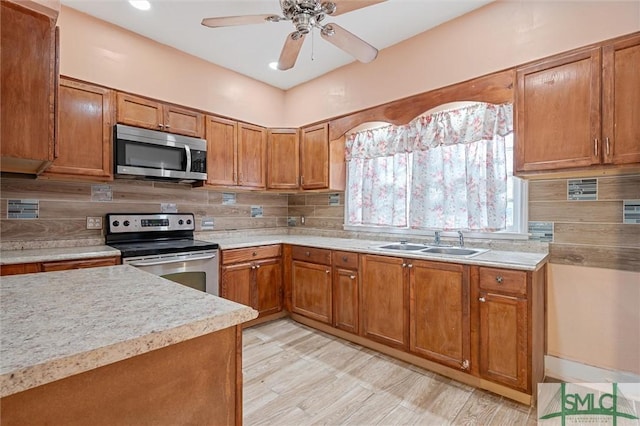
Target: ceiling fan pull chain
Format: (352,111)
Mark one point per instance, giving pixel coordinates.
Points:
(313,39)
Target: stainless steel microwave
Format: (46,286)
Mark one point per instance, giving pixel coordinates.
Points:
(154,154)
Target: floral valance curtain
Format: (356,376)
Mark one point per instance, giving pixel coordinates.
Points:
(445,170)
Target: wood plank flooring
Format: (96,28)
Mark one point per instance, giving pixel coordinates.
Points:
(294,375)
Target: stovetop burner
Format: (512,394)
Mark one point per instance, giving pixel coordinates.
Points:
(143,234)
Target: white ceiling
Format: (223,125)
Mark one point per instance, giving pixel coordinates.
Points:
(249,49)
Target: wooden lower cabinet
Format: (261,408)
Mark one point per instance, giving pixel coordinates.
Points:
(58,265)
(439,313)
(384,307)
(256,283)
(480,325)
(311,290)
(503,339)
(195,382)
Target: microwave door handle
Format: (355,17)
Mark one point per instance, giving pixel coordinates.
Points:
(172,260)
(188,152)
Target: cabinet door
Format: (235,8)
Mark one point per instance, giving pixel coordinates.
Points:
(345,299)
(621,101)
(236,283)
(252,156)
(221,151)
(311,290)
(504,339)
(558,113)
(85,119)
(314,157)
(268,286)
(439,313)
(183,121)
(283,163)
(139,112)
(28,87)
(384,310)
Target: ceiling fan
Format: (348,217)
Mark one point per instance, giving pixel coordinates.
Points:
(306,15)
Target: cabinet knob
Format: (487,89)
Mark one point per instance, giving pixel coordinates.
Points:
(161,126)
(253,267)
(499,279)
(328,271)
(404,265)
(307,254)
(254,254)
(410,265)
(166,126)
(344,258)
(464,365)
(482,299)
(257,266)
(353,277)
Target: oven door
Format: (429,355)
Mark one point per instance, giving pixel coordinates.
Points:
(198,270)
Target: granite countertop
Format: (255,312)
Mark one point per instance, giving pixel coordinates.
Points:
(9,257)
(526,261)
(58,324)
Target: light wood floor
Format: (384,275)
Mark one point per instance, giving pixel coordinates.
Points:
(294,375)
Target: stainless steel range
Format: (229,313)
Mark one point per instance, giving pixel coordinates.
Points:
(163,244)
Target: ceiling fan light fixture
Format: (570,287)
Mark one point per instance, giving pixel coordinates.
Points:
(328,7)
(140,4)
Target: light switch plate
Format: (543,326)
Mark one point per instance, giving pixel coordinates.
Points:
(94,222)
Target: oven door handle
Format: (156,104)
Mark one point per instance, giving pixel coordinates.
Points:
(172,260)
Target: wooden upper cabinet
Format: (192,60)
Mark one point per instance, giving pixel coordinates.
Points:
(314,157)
(579,109)
(621,101)
(142,112)
(283,153)
(28,85)
(252,156)
(558,112)
(85,118)
(222,135)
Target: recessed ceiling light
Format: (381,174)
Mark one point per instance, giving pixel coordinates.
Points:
(273,65)
(140,4)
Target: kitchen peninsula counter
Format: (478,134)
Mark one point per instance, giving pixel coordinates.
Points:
(61,325)
(12,257)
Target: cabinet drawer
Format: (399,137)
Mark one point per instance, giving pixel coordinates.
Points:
(250,253)
(65,265)
(313,255)
(345,259)
(503,280)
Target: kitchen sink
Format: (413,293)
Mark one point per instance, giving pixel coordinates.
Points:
(453,251)
(402,246)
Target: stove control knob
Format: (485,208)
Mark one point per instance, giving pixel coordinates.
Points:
(115,223)
(181,222)
(126,223)
(188,221)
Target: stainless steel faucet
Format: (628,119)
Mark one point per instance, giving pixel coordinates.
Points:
(460,239)
(436,238)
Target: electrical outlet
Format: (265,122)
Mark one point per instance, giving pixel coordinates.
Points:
(94,222)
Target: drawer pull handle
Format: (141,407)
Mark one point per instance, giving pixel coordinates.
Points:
(595,147)
(482,299)
(499,279)
(353,277)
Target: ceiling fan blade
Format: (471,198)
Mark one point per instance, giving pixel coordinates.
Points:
(344,6)
(227,21)
(290,51)
(349,42)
